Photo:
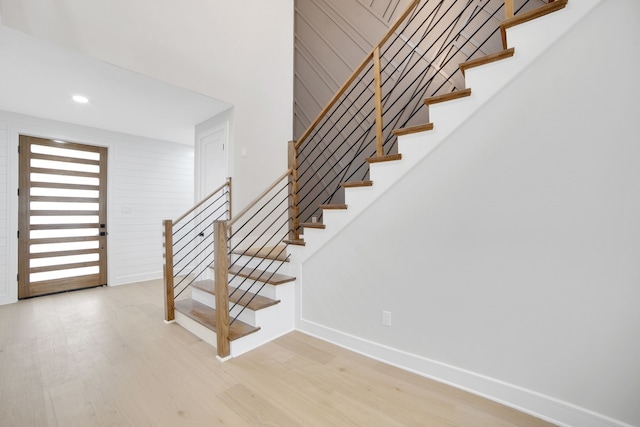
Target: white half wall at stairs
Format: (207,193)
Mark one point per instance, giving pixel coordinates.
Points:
(506,251)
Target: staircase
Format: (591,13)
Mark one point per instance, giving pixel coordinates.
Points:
(259,317)
(486,75)
(255,275)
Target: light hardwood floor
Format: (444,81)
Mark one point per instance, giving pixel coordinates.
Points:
(104,357)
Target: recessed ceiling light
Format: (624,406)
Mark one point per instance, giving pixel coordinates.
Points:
(80,99)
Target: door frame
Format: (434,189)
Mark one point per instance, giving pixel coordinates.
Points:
(24,125)
(199,165)
(25,289)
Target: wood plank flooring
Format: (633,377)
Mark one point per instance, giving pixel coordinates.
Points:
(104,357)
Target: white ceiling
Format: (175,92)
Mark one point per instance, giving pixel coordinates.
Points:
(38,78)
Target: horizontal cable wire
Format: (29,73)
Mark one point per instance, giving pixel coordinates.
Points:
(341,165)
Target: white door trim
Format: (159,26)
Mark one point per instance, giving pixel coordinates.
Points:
(200,167)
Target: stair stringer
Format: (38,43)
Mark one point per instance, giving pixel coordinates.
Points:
(530,39)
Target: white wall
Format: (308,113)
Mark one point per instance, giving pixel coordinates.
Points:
(148,181)
(240,52)
(201,130)
(509,256)
(4,220)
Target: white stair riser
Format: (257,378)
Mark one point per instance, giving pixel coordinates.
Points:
(252,285)
(202,332)
(274,322)
(247,316)
(243,283)
(244,314)
(260,263)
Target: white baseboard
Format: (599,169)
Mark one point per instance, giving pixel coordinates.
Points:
(6,299)
(134,278)
(531,402)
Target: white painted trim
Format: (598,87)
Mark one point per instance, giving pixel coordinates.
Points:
(135,278)
(199,158)
(223,359)
(524,400)
(12,215)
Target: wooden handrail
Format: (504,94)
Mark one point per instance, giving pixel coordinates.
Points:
(203,201)
(357,71)
(257,199)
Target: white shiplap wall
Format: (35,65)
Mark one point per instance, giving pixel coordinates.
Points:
(148,181)
(4,285)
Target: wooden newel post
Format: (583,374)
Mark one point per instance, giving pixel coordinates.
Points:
(294,221)
(221,267)
(378,91)
(508,9)
(169,307)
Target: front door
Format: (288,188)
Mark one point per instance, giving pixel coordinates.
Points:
(62,230)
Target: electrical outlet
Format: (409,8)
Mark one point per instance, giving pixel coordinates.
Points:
(386,318)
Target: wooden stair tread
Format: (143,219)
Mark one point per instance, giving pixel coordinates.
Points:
(334,206)
(447,96)
(413,129)
(206,316)
(277,253)
(487,59)
(387,158)
(298,242)
(528,16)
(356,184)
(313,225)
(238,296)
(261,275)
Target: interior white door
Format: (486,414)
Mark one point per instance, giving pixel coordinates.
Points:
(214,168)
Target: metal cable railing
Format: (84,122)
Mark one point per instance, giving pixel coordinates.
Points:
(246,251)
(417,60)
(257,244)
(189,242)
